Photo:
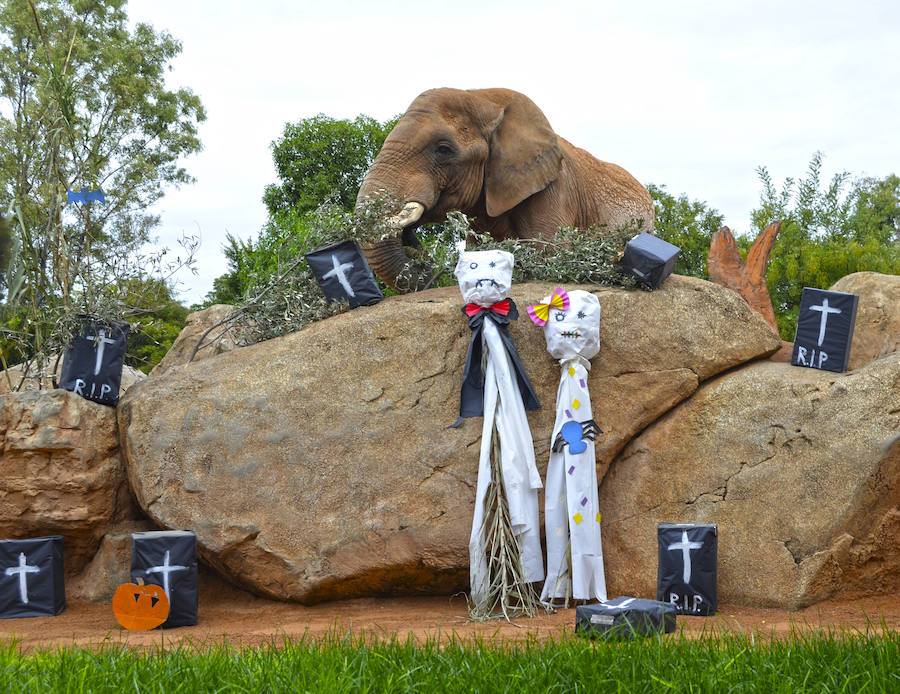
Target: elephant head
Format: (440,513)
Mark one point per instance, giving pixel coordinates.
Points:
(479,151)
(492,154)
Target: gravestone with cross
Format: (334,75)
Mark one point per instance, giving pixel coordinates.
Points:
(343,273)
(168,558)
(92,366)
(824,329)
(31,577)
(688,565)
(625,617)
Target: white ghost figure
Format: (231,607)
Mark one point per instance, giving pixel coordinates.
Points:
(484,280)
(571,515)
(484,276)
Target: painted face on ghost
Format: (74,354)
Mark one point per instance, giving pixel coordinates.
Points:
(575,331)
(484,276)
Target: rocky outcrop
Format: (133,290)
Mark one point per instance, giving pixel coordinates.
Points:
(877,330)
(60,471)
(746,278)
(319,465)
(111,565)
(223,338)
(799,468)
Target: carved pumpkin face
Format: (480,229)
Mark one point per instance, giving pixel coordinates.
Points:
(140,607)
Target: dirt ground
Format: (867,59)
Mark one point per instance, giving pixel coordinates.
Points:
(227,614)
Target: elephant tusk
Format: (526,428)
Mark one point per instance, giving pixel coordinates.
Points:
(410,214)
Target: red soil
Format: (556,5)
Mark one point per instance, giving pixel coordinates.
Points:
(233,616)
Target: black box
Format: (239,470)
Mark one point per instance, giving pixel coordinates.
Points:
(625,617)
(342,272)
(649,259)
(168,558)
(824,329)
(688,564)
(92,365)
(31,577)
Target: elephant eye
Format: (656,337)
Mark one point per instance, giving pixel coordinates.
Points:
(472,266)
(580,315)
(560,316)
(443,150)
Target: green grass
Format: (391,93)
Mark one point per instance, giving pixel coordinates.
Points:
(806,662)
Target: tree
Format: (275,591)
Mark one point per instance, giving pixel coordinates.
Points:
(321,158)
(85,108)
(828,231)
(686,224)
(317,159)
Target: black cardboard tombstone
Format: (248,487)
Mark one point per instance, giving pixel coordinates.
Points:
(649,259)
(688,559)
(92,366)
(625,617)
(31,577)
(824,329)
(343,273)
(168,558)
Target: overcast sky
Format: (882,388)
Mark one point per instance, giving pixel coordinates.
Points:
(694,95)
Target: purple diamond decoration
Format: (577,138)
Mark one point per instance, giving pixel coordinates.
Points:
(571,469)
(583,384)
(584,501)
(568,414)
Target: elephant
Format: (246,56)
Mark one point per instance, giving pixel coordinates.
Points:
(492,154)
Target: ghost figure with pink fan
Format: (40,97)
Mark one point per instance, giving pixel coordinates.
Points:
(571,323)
(501,394)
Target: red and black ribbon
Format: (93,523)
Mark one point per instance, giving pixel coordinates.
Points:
(471,396)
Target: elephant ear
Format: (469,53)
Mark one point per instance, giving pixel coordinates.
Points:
(524,157)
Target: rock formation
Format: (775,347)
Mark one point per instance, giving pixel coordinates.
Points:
(746,278)
(217,341)
(319,465)
(799,468)
(60,471)
(877,330)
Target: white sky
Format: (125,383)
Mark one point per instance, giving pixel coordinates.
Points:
(694,95)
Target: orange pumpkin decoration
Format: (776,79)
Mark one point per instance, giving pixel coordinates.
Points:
(140,607)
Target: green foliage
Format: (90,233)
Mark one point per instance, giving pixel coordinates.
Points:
(572,256)
(317,159)
(321,158)
(86,107)
(808,661)
(828,231)
(688,225)
(275,290)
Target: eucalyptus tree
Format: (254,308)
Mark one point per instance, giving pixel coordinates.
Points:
(90,137)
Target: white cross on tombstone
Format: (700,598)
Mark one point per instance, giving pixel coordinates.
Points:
(22,569)
(101,341)
(165,570)
(686,548)
(825,309)
(339,272)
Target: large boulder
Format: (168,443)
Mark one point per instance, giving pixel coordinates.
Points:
(60,471)
(799,468)
(877,330)
(320,465)
(211,325)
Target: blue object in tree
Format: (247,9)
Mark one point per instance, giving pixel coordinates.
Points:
(86,196)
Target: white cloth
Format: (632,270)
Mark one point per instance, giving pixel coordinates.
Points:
(571,511)
(521,480)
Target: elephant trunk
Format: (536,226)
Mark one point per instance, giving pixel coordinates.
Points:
(390,258)
(387,258)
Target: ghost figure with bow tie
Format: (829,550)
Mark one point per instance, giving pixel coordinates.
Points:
(495,385)
(571,323)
